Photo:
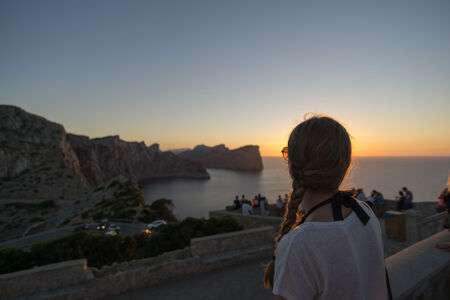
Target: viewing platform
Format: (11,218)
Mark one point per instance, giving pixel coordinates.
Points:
(225,266)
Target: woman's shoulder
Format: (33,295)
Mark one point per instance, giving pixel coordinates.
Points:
(302,236)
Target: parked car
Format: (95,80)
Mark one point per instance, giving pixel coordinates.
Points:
(114,227)
(81,228)
(103,225)
(156,224)
(146,231)
(111,233)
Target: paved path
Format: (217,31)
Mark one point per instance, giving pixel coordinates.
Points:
(243,281)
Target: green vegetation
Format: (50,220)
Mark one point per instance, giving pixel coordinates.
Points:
(100,250)
(113,183)
(33,207)
(147,216)
(163,209)
(66,221)
(127,213)
(36,219)
(121,205)
(177,235)
(12,225)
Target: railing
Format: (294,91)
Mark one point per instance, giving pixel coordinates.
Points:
(421,272)
(432,224)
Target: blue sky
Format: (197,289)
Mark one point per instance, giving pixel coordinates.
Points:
(182,73)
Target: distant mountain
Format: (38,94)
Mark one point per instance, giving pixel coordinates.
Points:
(179,150)
(246,158)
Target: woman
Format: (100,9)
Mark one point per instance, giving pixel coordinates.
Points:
(336,252)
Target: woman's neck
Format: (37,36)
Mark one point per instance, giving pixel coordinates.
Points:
(323,214)
(311,198)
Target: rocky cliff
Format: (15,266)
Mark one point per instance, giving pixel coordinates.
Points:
(104,158)
(245,158)
(38,159)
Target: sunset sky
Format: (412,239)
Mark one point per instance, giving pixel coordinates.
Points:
(182,73)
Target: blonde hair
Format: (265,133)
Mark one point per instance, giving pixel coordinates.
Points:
(319,154)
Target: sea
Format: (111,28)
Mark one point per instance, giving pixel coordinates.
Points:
(424,176)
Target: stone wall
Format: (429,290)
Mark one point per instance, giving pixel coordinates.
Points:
(232,241)
(42,279)
(72,279)
(421,272)
(143,263)
(427,208)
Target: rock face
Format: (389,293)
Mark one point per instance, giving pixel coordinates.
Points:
(245,158)
(38,159)
(104,158)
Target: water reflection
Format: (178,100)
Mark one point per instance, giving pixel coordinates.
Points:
(425,177)
(198,197)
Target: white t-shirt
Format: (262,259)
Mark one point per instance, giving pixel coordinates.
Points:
(247,209)
(332,260)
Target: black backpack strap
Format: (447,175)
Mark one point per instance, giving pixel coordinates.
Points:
(336,201)
(337,211)
(350,202)
(315,208)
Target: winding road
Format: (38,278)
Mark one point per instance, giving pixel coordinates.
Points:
(29,240)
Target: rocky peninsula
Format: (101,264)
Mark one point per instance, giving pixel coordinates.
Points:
(246,158)
(104,158)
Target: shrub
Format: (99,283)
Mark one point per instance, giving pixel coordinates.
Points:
(100,250)
(163,209)
(14,259)
(32,207)
(127,213)
(36,219)
(113,183)
(98,216)
(12,225)
(177,235)
(147,216)
(66,221)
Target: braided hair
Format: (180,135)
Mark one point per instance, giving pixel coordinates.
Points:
(319,155)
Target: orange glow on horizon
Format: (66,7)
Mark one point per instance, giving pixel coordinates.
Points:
(379,148)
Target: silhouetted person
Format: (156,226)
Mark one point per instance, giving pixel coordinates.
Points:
(237,203)
(400,200)
(408,204)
